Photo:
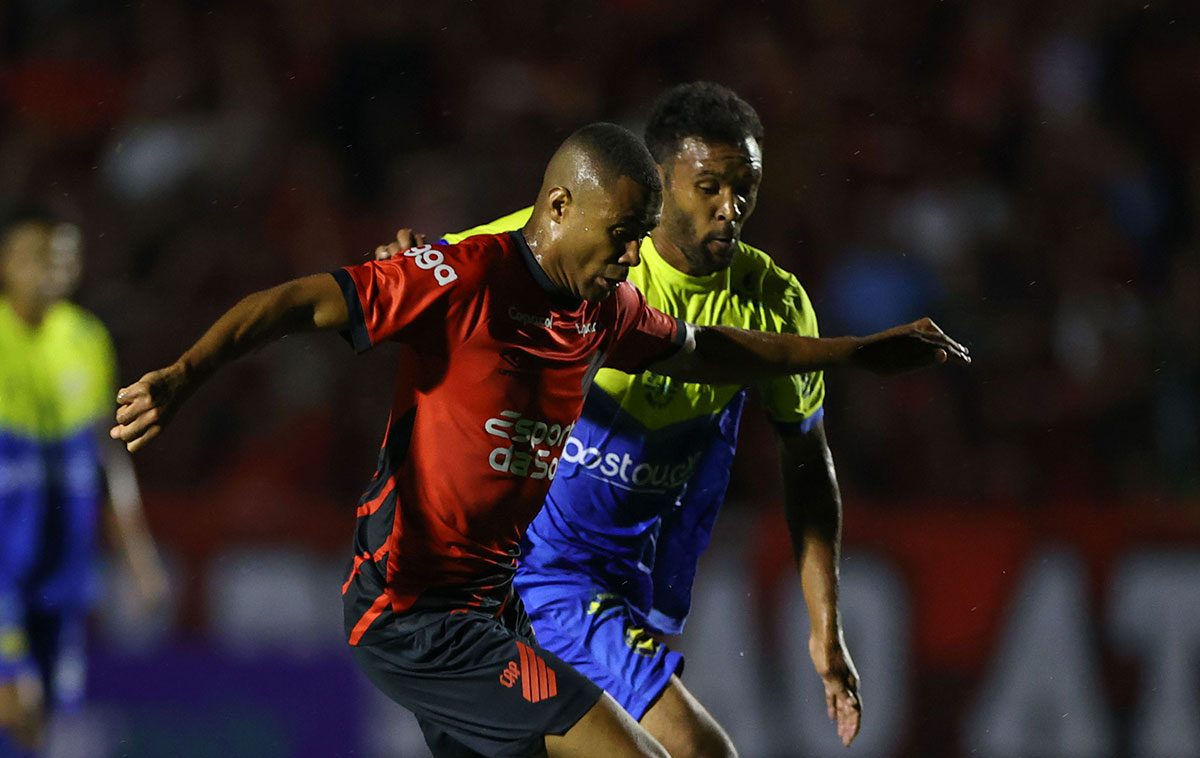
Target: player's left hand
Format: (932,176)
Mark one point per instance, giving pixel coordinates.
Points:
(843,704)
(405,238)
(909,346)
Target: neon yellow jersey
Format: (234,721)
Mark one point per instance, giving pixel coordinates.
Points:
(643,475)
(57,378)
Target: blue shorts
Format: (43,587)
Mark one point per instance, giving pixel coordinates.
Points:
(601,635)
(45,644)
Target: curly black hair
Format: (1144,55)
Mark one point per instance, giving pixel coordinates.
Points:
(699,109)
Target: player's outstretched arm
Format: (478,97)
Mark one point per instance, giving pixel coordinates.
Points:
(726,355)
(307,304)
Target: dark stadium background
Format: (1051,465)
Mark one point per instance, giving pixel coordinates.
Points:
(1022,573)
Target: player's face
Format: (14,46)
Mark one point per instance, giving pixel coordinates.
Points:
(710,189)
(42,264)
(606,234)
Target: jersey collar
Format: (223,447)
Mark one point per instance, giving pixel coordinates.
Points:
(658,268)
(557,297)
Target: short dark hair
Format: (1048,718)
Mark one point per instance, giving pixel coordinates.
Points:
(699,109)
(27,213)
(620,151)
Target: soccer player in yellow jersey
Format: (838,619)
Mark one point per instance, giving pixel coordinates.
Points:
(610,561)
(57,381)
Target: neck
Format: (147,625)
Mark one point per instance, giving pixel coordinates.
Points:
(673,254)
(29,310)
(547,255)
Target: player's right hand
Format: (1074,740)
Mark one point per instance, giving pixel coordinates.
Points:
(147,405)
(909,346)
(405,238)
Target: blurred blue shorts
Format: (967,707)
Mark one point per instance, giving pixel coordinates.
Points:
(45,644)
(601,635)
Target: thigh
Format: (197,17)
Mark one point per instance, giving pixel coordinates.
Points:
(442,744)
(684,726)
(473,680)
(600,635)
(605,730)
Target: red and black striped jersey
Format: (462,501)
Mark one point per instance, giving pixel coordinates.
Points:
(495,364)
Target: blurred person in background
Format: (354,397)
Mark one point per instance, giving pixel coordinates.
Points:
(609,563)
(503,335)
(57,372)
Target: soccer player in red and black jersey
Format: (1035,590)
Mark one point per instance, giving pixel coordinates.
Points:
(501,336)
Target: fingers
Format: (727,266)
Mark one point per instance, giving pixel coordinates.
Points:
(944,348)
(140,442)
(849,717)
(407,238)
(137,415)
(954,350)
(135,437)
(844,708)
(128,394)
(389,251)
(136,426)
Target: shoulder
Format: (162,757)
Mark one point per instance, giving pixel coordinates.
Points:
(616,310)
(78,323)
(626,298)
(509,223)
(463,265)
(756,276)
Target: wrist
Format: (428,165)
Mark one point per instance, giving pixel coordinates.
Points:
(188,372)
(855,349)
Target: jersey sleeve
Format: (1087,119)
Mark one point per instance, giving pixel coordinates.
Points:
(105,386)
(642,334)
(385,298)
(794,403)
(509,223)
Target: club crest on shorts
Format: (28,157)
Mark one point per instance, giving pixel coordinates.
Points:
(538,681)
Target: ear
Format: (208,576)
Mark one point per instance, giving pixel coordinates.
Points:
(559,200)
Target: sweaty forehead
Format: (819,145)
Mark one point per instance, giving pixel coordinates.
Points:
(627,201)
(699,156)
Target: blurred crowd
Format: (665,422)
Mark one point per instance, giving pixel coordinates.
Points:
(1025,172)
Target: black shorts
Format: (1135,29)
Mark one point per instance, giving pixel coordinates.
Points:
(478,685)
